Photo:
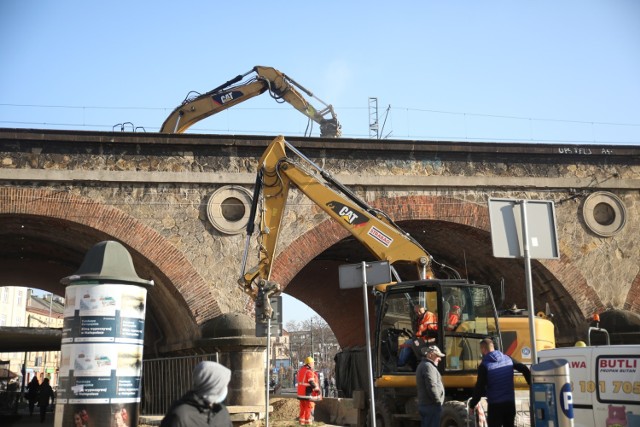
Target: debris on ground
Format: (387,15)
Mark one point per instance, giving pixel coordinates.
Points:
(285,413)
(284,409)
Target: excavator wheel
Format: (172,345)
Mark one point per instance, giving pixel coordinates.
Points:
(454,414)
(384,414)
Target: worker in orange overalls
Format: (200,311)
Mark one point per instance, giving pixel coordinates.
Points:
(426,327)
(316,395)
(308,390)
(427,321)
(453,318)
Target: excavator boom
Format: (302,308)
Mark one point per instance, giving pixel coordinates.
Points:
(281,87)
(376,231)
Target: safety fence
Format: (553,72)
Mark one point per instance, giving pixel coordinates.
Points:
(166,380)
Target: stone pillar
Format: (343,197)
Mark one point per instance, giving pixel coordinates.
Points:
(233,336)
(102,340)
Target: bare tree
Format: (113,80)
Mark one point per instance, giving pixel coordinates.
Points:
(292,326)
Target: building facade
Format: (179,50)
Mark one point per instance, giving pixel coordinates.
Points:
(21,307)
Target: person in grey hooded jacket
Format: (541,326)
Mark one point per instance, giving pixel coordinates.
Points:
(202,405)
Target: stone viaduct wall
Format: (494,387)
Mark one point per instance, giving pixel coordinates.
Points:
(167,198)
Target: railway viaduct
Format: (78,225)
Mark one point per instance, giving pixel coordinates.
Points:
(179,204)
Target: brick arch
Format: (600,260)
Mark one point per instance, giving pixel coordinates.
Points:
(308,246)
(576,285)
(166,261)
(633,297)
(420,207)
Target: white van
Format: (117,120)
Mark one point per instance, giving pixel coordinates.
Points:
(605,382)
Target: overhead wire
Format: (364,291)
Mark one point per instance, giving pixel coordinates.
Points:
(424,110)
(307,130)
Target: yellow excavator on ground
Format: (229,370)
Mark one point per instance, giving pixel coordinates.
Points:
(434,286)
(280,86)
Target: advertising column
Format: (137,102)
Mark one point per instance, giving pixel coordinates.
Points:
(102,341)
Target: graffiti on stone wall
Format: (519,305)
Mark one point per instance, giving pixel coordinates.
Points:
(584,150)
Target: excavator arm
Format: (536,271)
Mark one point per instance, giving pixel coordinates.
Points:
(281,87)
(372,227)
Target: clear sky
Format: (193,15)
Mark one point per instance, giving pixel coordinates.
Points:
(543,71)
(295,310)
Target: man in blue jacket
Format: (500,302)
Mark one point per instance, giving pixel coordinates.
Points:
(495,381)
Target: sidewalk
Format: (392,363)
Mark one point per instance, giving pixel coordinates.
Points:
(23,419)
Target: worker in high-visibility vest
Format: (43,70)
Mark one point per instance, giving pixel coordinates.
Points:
(427,321)
(308,390)
(453,318)
(426,328)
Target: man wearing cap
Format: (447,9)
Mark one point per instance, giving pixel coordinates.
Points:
(308,391)
(202,405)
(430,387)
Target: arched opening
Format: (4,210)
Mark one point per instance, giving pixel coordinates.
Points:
(308,335)
(465,248)
(46,235)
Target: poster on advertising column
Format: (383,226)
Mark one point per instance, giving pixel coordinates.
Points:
(102,346)
(104,313)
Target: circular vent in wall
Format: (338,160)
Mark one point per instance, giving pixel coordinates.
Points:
(604,213)
(228,209)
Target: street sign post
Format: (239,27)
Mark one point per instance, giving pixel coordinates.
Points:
(524,229)
(351,275)
(276,319)
(508,228)
(366,274)
(266,329)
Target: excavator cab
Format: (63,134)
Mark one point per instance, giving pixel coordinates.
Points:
(453,314)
